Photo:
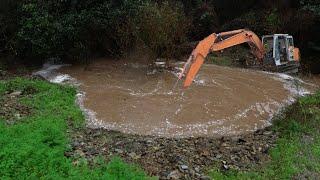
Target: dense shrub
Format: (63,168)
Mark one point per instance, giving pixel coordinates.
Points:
(310,5)
(8,24)
(162,27)
(76,30)
(203,16)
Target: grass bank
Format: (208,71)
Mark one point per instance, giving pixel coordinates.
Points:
(297,151)
(35,117)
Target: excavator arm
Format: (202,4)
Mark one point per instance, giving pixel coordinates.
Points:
(218,42)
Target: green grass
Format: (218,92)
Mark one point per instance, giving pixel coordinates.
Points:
(297,150)
(34,147)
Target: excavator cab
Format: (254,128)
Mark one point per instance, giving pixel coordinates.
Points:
(281,53)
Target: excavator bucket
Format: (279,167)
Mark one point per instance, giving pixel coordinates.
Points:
(195,66)
(197,58)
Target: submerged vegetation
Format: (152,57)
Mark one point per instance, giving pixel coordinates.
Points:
(297,151)
(33,144)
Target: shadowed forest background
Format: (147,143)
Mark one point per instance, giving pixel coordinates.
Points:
(75,30)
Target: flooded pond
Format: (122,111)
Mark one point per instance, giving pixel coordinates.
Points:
(133,98)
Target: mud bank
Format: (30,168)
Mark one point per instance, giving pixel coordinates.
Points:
(136,99)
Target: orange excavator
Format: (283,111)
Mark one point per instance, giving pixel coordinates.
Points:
(277,52)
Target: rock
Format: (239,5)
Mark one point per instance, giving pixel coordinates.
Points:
(118,151)
(224,162)
(18,116)
(152,72)
(174,175)
(224,144)
(155,148)
(235,138)
(134,156)
(92,151)
(75,143)
(96,134)
(38,76)
(160,63)
(80,153)
(184,167)
(205,153)
(191,173)
(237,168)
(205,178)
(267,133)
(240,140)
(16,93)
(197,175)
(218,156)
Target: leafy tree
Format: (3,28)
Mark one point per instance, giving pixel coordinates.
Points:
(162,27)
(311,5)
(8,24)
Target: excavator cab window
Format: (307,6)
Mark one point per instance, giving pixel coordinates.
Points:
(290,42)
(281,49)
(268,46)
(290,48)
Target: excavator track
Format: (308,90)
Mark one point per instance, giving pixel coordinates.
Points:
(289,68)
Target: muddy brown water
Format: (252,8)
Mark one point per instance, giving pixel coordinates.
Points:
(132,98)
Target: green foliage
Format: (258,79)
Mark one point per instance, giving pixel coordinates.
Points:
(8,25)
(222,61)
(310,5)
(297,150)
(204,17)
(77,31)
(37,32)
(273,21)
(34,148)
(162,27)
(51,29)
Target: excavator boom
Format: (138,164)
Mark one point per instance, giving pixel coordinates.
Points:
(218,42)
